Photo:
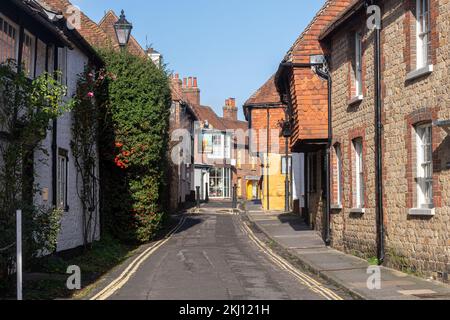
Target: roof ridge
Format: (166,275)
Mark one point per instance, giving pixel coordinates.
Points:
(110,11)
(288,55)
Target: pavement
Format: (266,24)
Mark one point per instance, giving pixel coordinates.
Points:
(211,255)
(346,271)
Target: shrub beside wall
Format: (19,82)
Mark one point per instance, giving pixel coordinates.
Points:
(133,146)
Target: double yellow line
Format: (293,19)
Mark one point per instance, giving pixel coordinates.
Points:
(303,278)
(119,282)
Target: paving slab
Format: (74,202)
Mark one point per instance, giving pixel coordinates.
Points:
(347,271)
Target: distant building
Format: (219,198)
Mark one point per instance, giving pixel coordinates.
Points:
(266,113)
(181,151)
(155,56)
(221,158)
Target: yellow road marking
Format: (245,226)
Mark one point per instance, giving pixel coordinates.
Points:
(306,280)
(119,282)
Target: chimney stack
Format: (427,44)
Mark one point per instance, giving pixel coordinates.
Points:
(230,110)
(191,91)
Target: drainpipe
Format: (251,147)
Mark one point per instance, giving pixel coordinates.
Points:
(325,74)
(378,146)
(54,138)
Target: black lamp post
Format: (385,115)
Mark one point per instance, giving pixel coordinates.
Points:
(123,30)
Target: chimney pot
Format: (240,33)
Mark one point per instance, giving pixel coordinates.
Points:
(185,82)
(232,102)
(190,82)
(195,83)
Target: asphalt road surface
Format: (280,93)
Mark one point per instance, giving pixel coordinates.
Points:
(212,257)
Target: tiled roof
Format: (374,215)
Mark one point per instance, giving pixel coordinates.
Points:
(266,95)
(88,28)
(320,15)
(355,5)
(219,123)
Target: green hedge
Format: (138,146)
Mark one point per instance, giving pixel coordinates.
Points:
(134,143)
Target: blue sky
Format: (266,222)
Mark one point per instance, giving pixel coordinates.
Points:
(232,46)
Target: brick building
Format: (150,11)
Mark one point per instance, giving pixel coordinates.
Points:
(220,148)
(306,94)
(415,146)
(182,124)
(266,114)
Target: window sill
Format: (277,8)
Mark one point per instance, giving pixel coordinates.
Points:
(422,212)
(336,207)
(358,210)
(420,72)
(355,100)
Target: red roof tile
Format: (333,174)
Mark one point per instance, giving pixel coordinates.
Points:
(266,95)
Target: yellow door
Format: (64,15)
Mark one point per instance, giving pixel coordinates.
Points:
(249,190)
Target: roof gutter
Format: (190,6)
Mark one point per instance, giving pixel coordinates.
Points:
(352,10)
(45,22)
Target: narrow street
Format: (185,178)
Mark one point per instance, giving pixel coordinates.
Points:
(212,257)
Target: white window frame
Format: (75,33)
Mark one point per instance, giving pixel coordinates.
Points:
(224,176)
(422,32)
(217,148)
(32,61)
(62,180)
(338,153)
(17,35)
(227,146)
(63,65)
(358,65)
(424,166)
(359,173)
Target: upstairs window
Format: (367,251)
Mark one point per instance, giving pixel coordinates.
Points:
(28,54)
(62,65)
(358,65)
(424,171)
(422,32)
(9,40)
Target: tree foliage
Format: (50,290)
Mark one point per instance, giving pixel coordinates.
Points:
(134,142)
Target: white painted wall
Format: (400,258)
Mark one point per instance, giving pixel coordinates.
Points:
(298,178)
(71,235)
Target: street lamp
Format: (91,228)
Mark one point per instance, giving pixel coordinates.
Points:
(123,30)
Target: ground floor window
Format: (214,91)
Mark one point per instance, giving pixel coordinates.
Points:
(62,177)
(219,183)
(424,176)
